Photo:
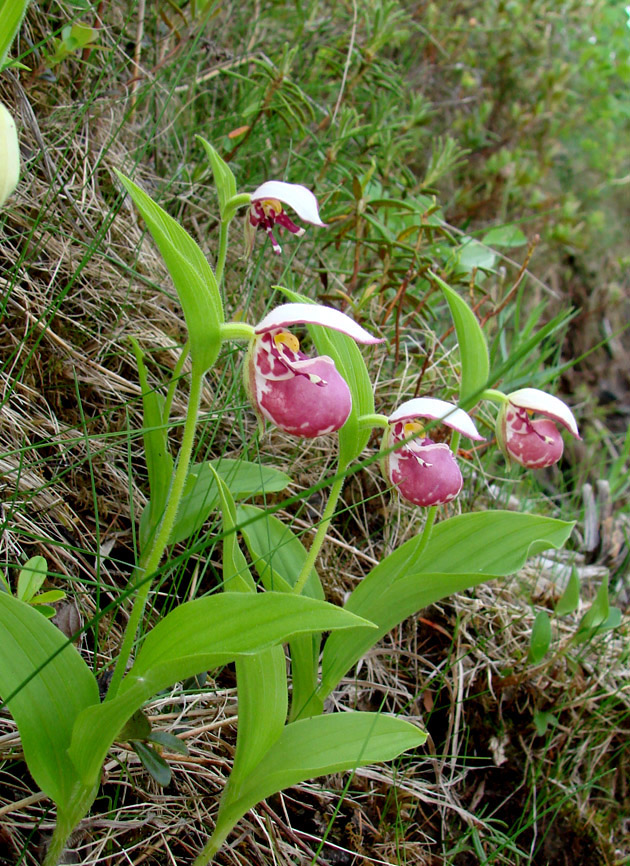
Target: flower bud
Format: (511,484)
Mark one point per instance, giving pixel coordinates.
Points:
(9,155)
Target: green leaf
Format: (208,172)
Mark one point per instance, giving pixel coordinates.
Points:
(224,179)
(31,577)
(48,597)
(540,639)
(200,497)
(261,679)
(544,719)
(596,614)
(138,727)
(473,348)
(315,747)
(236,574)
(278,556)
(156,451)
(504,236)
(570,598)
(191,274)
(168,741)
(471,254)
(46,684)
(11,14)
(198,635)
(462,552)
(153,763)
(349,362)
(277,553)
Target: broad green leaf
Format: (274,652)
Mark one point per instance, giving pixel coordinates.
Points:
(168,741)
(223,177)
(198,635)
(261,679)
(462,552)
(473,348)
(540,639)
(278,556)
(153,763)
(200,497)
(48,597)
(191,274)
(277,553)
(504,236)
(46,684)
(570,598)
(31,577)
(236,574)
(157,455)
(11,14)
(315,747)
(597,615)
(471,254)
(349,362)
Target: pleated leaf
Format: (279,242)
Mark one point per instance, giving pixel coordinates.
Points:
(315,747)
(196,636)
(192,276)
(462,552)
(46,684)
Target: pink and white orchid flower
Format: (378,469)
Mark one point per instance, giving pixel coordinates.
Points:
(266,211)
(303,396)
(425,472)
(534,444)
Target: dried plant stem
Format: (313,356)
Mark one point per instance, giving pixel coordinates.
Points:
(148,565)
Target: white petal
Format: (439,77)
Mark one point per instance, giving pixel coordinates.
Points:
(295,195)
(553,407)
(314,314)
(438,410)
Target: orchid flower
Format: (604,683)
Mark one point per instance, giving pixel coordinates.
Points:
(266,211)
(534,444)
(303,396)
(425,472)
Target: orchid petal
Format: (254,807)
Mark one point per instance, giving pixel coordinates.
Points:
(314,314)
(438,410)
(295,195)
(534,400)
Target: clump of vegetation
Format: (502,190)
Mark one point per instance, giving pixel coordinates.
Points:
(474,223)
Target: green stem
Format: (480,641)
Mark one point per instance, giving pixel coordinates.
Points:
(208,851)
(148,565)
(426,531)
(374,419)
(223,243)
(320,535)
(58,842)
(172,385)
(494,395)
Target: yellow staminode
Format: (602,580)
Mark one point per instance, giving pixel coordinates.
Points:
(413,427)
(271,204)
(284,338)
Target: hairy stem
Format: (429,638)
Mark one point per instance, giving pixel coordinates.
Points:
(149,563)
(320,535)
